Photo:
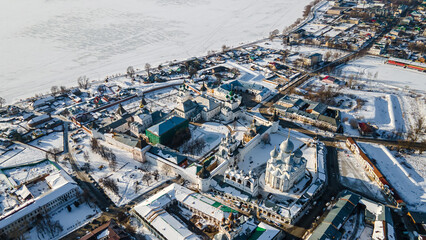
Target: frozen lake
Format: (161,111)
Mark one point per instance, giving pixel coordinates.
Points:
(53,42)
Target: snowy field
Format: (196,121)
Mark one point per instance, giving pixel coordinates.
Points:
(20,154)
(403,176)
(45,43)
(387,74)
(128,175)
(48,142)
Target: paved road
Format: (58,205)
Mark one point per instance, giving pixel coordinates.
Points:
(65,137)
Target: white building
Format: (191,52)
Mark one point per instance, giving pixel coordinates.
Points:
(285,167)
(248,183)
(231,107)
(227,150)
(194,109)
(209,107)
(152,212)
(142,121)
(44,189)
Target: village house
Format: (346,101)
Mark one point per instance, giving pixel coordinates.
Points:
(314,113)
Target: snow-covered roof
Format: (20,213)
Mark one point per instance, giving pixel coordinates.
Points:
(200,203)
(152,210)
(60,188)
(268,233)
(171,228)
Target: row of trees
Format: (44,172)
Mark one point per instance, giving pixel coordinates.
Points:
(56,90)
(110,184)
(131,70)
(105,153)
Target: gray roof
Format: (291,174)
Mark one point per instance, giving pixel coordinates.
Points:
(186,106)
(319,108)
(206,103)
(329,228)
(177,158)
(128,140)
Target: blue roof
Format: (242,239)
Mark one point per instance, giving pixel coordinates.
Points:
(163,127)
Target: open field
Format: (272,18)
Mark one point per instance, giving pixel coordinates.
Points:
(45,43)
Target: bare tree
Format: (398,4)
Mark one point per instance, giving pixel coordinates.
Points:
(63,89)
(273,34)
(146,178)
(194,147)
(110,184)
(94,144)
(83,82)
(166,169)
(86,156)
(54,90)
(87,167)
(327,56)
(112,161)
(224,48)
(148,69)
(156,175)
(136,186)
(2,101)
(266,139)
(192,71)
(46,226)
(130,71)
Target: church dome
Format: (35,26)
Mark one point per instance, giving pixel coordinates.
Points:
(274,153)
(298,153)
(296,160)
(287,146)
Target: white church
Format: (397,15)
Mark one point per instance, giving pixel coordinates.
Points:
(285,167)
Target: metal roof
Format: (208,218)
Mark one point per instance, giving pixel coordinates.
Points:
(163,127)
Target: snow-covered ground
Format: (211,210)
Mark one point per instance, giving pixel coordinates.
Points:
(48,142)
(353,175)
(45,43)
(126,175)
(77,217)
(211,132)
(404,177)
(391,109)
(387,74)
(20,154)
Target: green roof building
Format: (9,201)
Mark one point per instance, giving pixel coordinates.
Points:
(164,132)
